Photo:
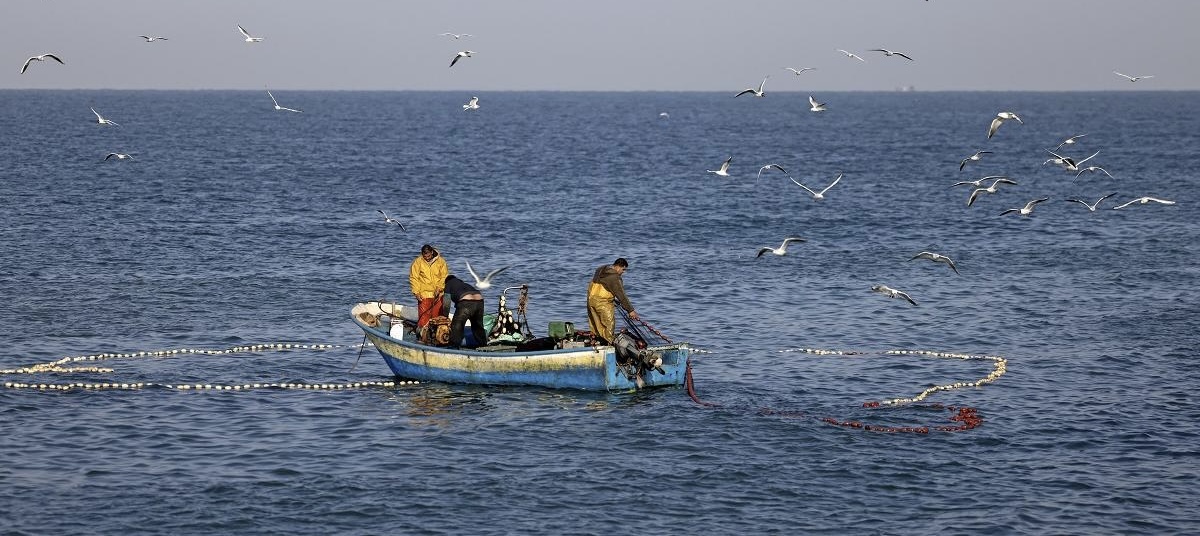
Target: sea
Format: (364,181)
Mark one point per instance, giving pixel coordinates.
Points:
(228,251)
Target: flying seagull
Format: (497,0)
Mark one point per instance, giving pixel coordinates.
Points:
(1143,201)
(978,183)
(249,38)
(936,257)
(724,169)
(40,57)
(757,92)
(887,52)
(892,293)
(802,69)
(1000,119)
(782,249)
(851,55)
(1068,163)
(1092,206)
(101,120)
(821,194)
(153,38)
(456,36)
(391,220)
(770,166)
(460,55)
(1093,169)
(815,106)
(119,156)
(973,158)
(1133,78)
(1069,141)
(989,190)
(281,108)
(486,282)
(472,104)
(1027,209)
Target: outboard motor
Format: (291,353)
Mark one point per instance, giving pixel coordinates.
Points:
(634,358)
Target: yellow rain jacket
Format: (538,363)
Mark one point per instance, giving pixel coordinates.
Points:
(428,278)
(605,286)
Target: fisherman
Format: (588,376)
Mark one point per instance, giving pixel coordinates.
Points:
(606,286)
(427,275)
(468,305)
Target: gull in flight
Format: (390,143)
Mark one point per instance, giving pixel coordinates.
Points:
(101,120)
(472,104)
(887,52)
(936,257)
(460,55)
(486,282)
(973,158)
(456,36)
(802,69)
(757,92)
(1143,201)
(153,38)
(1092,206)
(1027,209)
(119,156)
(978,183)
(281,108)
(249,38)
(1133,78)
(664,115)
(1068,163)
(770,166)
(782,249)
(391,220)
(989,190)
(1094,169)
(1000,119)
(40,57)
(724,169)
(892,293)
(1069,141)
(817,196)
(815,106)
(851,55)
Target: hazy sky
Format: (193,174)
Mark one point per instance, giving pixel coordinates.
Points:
(655,45)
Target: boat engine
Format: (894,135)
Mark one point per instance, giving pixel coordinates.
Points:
(634,357)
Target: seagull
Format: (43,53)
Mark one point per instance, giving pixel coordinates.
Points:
(40,57)
(817,196)
(102,120)
(724,169)
(456,36)
(391,220)
(153,38)
(249,38)
(757,92)
(892,293)
(1143,201)
(782,249)
(120,156)
(1027,209)
(989,190)
(486,282)
(1000,119)
(802,69)
(852,55)
(1093,169)
(281,108)
(1133,78)
(972,158)
(769,166)
(936,257)
(1068,163)
(472,104)
(978,183)
(664,115)
(1069,141)
(1092,206)
(460,55)
(815,106)
(887,52)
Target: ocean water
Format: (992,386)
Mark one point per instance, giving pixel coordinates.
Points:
(237,225)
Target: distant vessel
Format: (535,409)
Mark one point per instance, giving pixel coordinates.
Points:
(906,88)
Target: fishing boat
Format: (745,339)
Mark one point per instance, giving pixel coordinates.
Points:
(563,358)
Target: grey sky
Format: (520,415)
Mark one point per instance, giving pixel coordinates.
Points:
(658,45)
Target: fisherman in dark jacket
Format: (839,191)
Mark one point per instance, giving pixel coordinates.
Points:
(468,305)
(607,286)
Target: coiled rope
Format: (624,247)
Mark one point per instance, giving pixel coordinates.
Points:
(61,366)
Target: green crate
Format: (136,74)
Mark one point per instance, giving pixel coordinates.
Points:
(561,330)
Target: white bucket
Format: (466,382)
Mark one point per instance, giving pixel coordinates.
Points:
(397,331)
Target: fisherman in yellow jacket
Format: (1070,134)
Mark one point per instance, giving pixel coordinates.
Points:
(427,275)
(607,285)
